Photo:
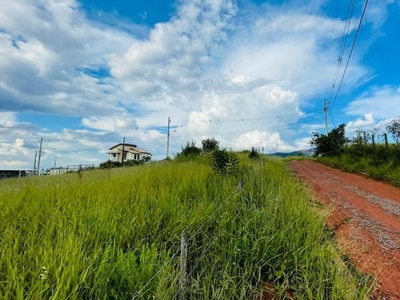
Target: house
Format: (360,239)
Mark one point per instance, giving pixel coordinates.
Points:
(131,152)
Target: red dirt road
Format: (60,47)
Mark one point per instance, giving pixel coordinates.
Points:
(365,215)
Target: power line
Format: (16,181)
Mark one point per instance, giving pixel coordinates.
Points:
(350,54)
(346,30)
(247,130)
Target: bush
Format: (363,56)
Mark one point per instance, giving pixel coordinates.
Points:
(224,162)
(110,164)
(209,145)
(253,154)
(331,144)
(189,150)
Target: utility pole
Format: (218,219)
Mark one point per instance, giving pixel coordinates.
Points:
(326,116)
(123,150)
(34,162)
(169,122)
(40,154)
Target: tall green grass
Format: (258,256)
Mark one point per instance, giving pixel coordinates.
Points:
(115,234)
(379,162)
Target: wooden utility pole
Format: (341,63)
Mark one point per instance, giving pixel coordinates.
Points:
(169,122)
(184,256)
(34,162)
(386,140)
(326,116)
(123,150)
(40,154)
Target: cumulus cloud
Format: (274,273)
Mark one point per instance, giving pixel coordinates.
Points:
(7,118)
(360,123)
(242,78)
(46,51)
(171,63)
(111,123)
(382,101)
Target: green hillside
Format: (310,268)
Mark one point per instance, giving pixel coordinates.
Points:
(115,234)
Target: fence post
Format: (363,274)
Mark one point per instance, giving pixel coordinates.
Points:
(386,139)
(184,255)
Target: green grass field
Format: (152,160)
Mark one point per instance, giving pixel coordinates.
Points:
(115,234)
(379,162)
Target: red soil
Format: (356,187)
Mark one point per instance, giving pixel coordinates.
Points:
(365,214)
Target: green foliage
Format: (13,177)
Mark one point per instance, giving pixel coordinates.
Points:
(380,162)
(190,150)
(253,154)
(209,145)
(224,162)
(110,164)
(116,235)
(394,129)
(142,161)
(129,163)
(331,144)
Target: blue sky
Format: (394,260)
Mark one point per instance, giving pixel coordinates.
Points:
(83,74)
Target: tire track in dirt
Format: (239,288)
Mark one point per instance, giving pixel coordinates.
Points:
(365,215)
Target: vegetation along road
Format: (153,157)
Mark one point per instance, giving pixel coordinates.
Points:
(365,214)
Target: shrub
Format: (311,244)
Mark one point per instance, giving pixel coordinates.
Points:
(110,164)
(224,162)
(189,150)
(209,145)
(253,154)
(331,144)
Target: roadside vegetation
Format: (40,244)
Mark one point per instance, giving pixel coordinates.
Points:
(115,233)
(368,153)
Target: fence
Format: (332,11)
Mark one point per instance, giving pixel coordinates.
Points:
(69,168)
(186,270)
(12,173)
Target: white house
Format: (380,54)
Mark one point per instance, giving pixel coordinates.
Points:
(130,152)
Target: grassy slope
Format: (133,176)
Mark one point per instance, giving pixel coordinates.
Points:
(378,162)
(116,235)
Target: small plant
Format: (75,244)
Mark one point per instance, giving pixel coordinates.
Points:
(224,162)
(209,145)
(254,154)
(189,150)
(110,164)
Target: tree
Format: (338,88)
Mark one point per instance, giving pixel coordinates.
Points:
(209,145)
(190,150)
(331,144)
(254,154)
(224,162)
(110,164)
(394,129)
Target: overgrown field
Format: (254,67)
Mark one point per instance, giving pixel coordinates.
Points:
(115,234)
(379,162)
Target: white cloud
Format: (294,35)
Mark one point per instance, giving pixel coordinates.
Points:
(7,118)
(56,47)
(270,141)
(111,123)
(378,12)
(216,72)
(173,60)
(383,102)
(360,123)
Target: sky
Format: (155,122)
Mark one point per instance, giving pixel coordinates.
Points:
(84,74)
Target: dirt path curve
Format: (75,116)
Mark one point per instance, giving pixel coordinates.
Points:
(366,218)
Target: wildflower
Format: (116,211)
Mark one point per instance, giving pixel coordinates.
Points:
(44,273)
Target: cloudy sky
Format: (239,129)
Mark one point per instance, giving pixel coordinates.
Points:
(83,74)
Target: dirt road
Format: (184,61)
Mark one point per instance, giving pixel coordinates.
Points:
(366,218)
